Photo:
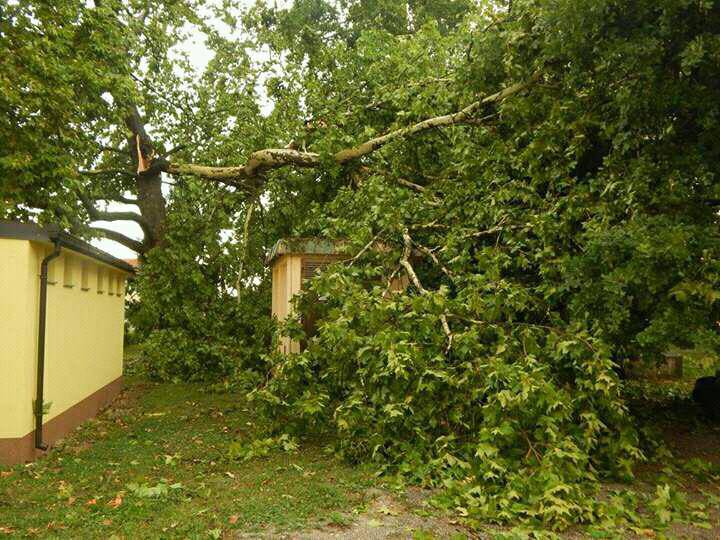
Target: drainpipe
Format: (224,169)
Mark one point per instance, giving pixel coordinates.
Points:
(39,394)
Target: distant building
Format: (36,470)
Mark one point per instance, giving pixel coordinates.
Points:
(295,260)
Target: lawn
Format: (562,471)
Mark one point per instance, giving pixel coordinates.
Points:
(156,464)
(178,461)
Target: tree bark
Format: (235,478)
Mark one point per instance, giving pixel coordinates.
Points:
(148,187)
(120,238)
(153,208)
(148,181)
(275,158)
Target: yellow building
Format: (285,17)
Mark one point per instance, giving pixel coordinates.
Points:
(294,260)
(61,328)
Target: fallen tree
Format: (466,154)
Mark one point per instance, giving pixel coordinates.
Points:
(566,224)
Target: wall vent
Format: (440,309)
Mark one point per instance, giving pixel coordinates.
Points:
(311,266)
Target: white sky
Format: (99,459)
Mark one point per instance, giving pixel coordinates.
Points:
(199,55)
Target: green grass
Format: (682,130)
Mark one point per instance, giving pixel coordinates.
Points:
(189,461)
(157,465)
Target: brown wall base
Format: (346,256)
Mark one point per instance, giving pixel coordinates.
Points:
(22,449)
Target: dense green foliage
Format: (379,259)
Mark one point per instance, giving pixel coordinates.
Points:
(189,321)
(556,236)
(572,232)
(66,74)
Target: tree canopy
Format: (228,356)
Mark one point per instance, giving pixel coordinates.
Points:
(552,163)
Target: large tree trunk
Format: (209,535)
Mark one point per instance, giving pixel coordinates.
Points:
(150,199)
(152,208)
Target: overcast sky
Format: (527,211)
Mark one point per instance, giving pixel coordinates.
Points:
(200,55)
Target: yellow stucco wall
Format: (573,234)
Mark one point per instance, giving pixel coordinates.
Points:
(18,310)
(286,283)
(84,340)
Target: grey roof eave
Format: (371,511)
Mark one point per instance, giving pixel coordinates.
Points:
(51,234)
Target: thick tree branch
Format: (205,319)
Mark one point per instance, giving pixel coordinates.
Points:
(410,185)
(405,262)
(141,148)
(274,158)
(100,172)
(99,215)
(117,198)
(439,121)
(271,158)
(112,149)
(173,150)
(78,226)
(135,124)
(126,241)
(245,244)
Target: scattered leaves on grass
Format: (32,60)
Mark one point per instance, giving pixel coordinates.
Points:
(386,510)
(157,490)
(261,447)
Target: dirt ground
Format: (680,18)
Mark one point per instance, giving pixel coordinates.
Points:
(385,518)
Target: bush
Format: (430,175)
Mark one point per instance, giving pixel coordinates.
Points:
(188,319)
(518,420)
